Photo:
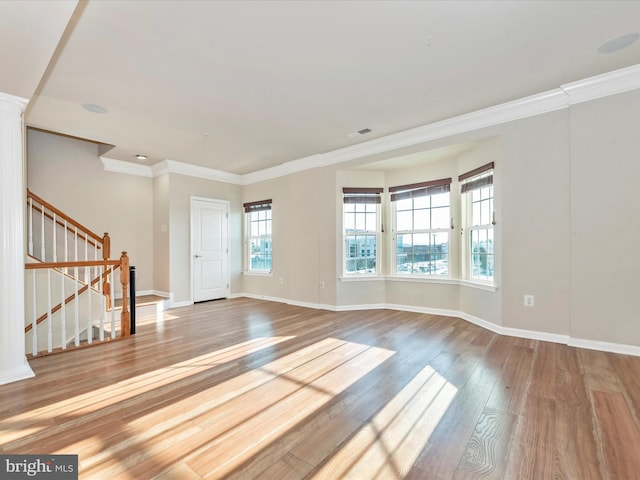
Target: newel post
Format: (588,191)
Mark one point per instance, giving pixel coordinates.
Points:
(125,321)
(106,246)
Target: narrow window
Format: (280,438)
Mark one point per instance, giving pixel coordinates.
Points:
(361,230)
(259,245)
(477,199)
(422,223)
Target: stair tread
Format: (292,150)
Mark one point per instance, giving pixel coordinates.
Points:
(143,300)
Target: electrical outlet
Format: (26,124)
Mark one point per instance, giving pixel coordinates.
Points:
(529,301)
(281,281)
(321,284)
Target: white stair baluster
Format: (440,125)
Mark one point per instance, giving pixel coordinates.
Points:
(31,227)
(75,304)
(42,249)
(66,244)
(63,311)
(103,306)
(90,315)
(87,270)
(49,316)
(55,240)
(75,239)
(34,317)
(113,305)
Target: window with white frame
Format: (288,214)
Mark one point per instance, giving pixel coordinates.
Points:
(259,245)
(422,224)
(478,231)
(361,230)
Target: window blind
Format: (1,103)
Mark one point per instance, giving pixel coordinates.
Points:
(421,189)
(362,195)
(257,206)
(479,182)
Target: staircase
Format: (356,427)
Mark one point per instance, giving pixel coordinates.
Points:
(70,283)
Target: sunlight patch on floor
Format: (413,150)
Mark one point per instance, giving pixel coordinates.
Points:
(390,443)
(111,395)
(263,403)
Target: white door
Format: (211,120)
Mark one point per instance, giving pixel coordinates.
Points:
(209,249)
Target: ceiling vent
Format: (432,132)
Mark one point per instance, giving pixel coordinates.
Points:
(364,131)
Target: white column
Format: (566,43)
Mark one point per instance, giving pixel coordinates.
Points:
(13,363)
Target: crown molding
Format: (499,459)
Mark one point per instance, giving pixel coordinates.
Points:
(118,166)
(169,166)
(172,166)
(617,81)
(610,83)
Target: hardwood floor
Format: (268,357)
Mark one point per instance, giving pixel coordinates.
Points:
(245,389)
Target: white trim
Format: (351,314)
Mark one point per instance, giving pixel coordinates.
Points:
(159,293)
(480,286)
(264,297)
(20,373)
(19,102)
(424,279)
(499,329)
(257,273)
(610,83)
(604,346)
(362,278)
(172,166)
(186,303)
(118,166)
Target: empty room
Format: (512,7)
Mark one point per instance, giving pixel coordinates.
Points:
(276,239)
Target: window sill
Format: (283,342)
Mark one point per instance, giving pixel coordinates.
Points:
(258,274)
(361,278)
(487,287)
(424,279)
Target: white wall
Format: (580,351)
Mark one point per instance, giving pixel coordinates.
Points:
(269,285)
(161,224)
(67,173)
(181,189)
(605,214)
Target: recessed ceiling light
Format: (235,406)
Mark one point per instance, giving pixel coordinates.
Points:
(93,108)
(618,43)
(141,157)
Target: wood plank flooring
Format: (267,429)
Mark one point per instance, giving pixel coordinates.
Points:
(248,389)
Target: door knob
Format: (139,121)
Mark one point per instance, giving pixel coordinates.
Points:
(198,256)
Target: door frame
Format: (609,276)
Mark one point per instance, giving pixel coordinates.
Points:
(227,205)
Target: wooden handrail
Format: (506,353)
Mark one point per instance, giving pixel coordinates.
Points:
(62,215)
(88,263)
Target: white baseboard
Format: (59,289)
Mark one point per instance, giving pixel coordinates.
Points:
(21,373)
(180,304)
(499,329)
(604,346)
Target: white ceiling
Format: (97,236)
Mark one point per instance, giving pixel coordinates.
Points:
(240,86)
